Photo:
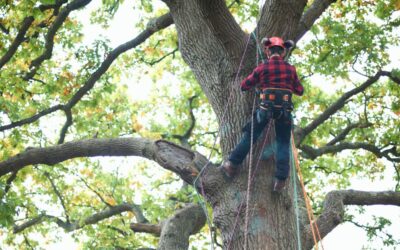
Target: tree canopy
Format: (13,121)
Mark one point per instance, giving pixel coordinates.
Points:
(71,101)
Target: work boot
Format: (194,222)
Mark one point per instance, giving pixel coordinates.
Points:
(229,169)
(279,185)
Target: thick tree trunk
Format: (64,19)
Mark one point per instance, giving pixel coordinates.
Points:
(270,216)
(213,45)
(220,54)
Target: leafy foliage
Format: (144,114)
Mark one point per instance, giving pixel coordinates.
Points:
(150,92)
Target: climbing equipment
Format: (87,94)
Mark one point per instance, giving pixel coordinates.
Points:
(204,169)
(277,41)
(296,202)
(271,99)
(276,99)
(251,182)
(251,175)
(310,213)
(246,220)
(284,105)
(279,97)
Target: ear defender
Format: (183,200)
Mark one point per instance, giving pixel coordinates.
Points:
(288,44)
(266,41)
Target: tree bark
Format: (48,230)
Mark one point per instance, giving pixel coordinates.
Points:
(177,229)
(182,161)
(220,54)
(333,211)
(205,41)
(271,216)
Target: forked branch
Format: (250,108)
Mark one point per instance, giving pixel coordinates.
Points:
(333,211)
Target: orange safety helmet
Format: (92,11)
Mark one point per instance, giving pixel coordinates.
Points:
(277,41)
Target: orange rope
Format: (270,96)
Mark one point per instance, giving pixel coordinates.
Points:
(310,212)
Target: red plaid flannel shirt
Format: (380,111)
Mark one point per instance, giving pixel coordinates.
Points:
(274,73)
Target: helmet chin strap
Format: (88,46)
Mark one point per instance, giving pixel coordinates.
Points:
(268,54)
(287,45)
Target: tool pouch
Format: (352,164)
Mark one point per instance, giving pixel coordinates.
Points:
(276,99)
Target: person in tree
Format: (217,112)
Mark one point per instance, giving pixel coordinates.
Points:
(276,80)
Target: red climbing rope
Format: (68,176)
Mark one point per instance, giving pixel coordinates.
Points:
(251,182)
(203,171)
(313,224)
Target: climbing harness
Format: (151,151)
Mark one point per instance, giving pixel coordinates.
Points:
(273,99)
(313,224)
(286,100)
(277,97)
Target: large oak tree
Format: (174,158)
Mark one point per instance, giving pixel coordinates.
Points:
(48,74)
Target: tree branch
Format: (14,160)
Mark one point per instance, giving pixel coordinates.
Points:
(153,26)
(391,76)
(57,192)
(177,229)
(334,107)
(55,6)
(311,15)
(32,118)
(95,192)
(333,211)
(26,23)
(9,181)
(107,213)
(151,63)
(313,153)
(32,222)
(146,228)
(35,64)
(67,124)
(342,135)
(276,12)
(40,219)
(182,161)
(75,225)
(373,230)
(136,209)
(185,137)
(223,25)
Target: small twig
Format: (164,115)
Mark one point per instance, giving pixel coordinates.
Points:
(10,179)
(26,23)
(94,191)
(214,232)
(4,29)
(329,171)
(67,124)
(61,17)
(58,195)
(342,135)
(397,170)
(154,25)
(151,63)
(122,232)
(26,240)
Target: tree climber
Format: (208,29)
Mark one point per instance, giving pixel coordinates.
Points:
(277,80)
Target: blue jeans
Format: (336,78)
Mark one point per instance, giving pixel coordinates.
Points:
(283,127)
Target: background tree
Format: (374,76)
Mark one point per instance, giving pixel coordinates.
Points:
(49,182)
